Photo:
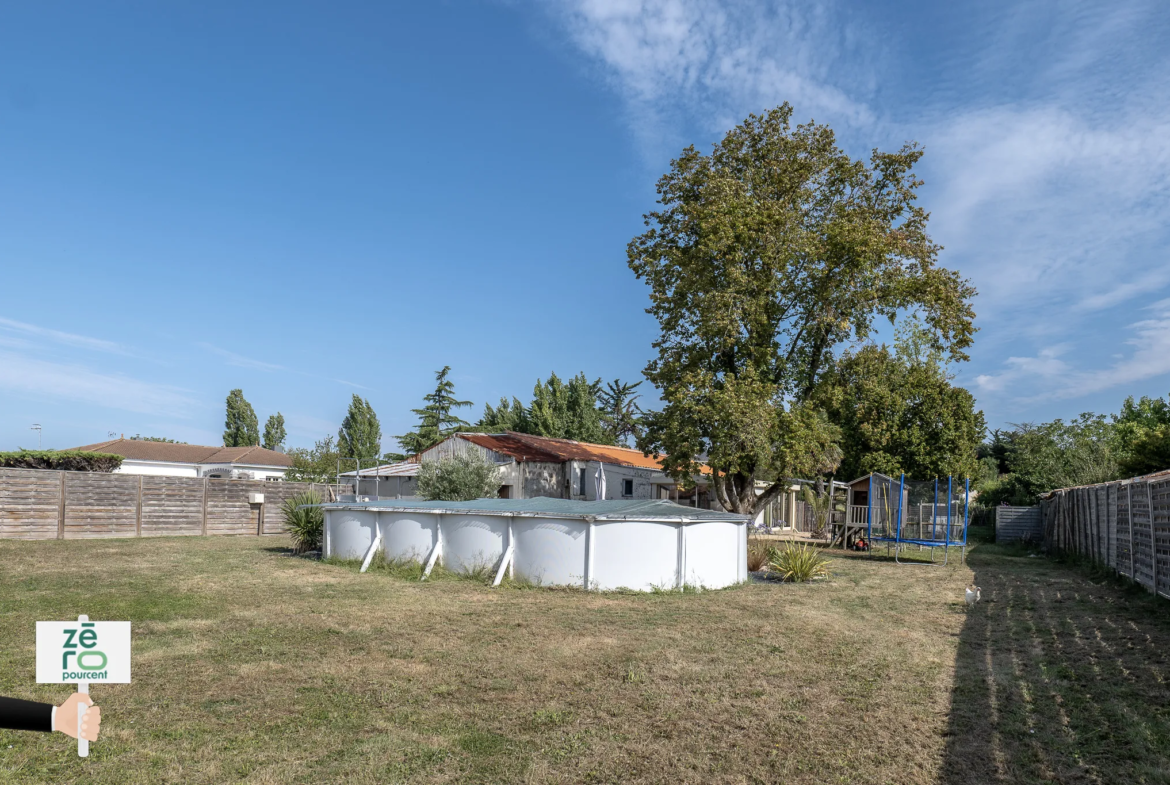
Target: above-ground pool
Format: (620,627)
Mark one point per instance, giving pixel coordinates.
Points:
(641,545)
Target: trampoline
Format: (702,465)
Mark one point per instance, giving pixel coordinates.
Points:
(922,513)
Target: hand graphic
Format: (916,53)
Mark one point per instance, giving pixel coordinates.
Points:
(65,719)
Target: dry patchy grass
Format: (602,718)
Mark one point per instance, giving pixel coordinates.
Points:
(254,666)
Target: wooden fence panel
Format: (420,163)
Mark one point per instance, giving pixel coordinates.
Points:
(30,504)
(100,505)
(1018,523)
(171,506)
(274,498)
(1160,492)
(228,510)
(96,505)
(1124,552)
(1143,550)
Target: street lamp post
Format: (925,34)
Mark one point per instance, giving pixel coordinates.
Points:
(37,427)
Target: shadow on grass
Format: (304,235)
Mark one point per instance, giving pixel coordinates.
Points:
(1061,676)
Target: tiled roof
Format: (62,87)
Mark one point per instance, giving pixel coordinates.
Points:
(142,450)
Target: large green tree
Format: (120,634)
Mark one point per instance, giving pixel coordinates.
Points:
(274,433)
(510,415)
(437,419)
(360,435)
(566,410)
(241,428)
(621,417)
(1052,455)
(765,257)
(898,412)
(319,464)
(1142,435)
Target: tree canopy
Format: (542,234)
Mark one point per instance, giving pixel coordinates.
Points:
(566,410)
(621,417)
(241,428)
(274,433)
(360,435)
(764,258)
(437,420)
(577,409)
(319,464)
(1142,436)
(898,412)
(1057,454)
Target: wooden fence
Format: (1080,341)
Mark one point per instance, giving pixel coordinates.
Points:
(1124,525)
(45,505)
(1018,523)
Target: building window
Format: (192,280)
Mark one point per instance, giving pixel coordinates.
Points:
(627,487)
(584,479)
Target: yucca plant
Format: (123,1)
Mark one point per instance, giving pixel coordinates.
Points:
(306,525)
(798,563)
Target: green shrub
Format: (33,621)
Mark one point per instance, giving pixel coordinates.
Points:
(63,460)
(306,525)
(798,563)
(463,478)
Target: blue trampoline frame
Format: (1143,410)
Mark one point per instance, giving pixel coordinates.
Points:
(898,540)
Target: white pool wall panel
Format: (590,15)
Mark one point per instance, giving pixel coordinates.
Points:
(473,541)
(549,551)
(350,533)
(408,535)
(640,555)
(712,554)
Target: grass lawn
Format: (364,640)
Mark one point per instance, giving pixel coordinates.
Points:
(254,666)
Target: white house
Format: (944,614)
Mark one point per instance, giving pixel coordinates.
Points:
(191,460)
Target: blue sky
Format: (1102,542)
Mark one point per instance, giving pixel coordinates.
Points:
(312,200)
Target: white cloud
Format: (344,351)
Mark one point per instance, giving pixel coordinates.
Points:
(43,378)
(1047,377)
(691,60)
(1043,203)
(69,339)
(239,360)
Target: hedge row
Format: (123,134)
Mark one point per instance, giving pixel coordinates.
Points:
(67,460)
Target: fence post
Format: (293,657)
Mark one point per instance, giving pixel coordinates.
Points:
(203,527)
(138,510)
(61,510)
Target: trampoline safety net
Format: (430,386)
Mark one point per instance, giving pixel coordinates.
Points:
(931,513)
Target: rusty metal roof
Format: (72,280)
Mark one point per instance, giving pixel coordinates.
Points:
(525,447)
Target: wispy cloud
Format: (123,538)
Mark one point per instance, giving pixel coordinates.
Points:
(57,336)
(680,61)
(239,360)
(351,384)
(44,378)
(1046,376)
